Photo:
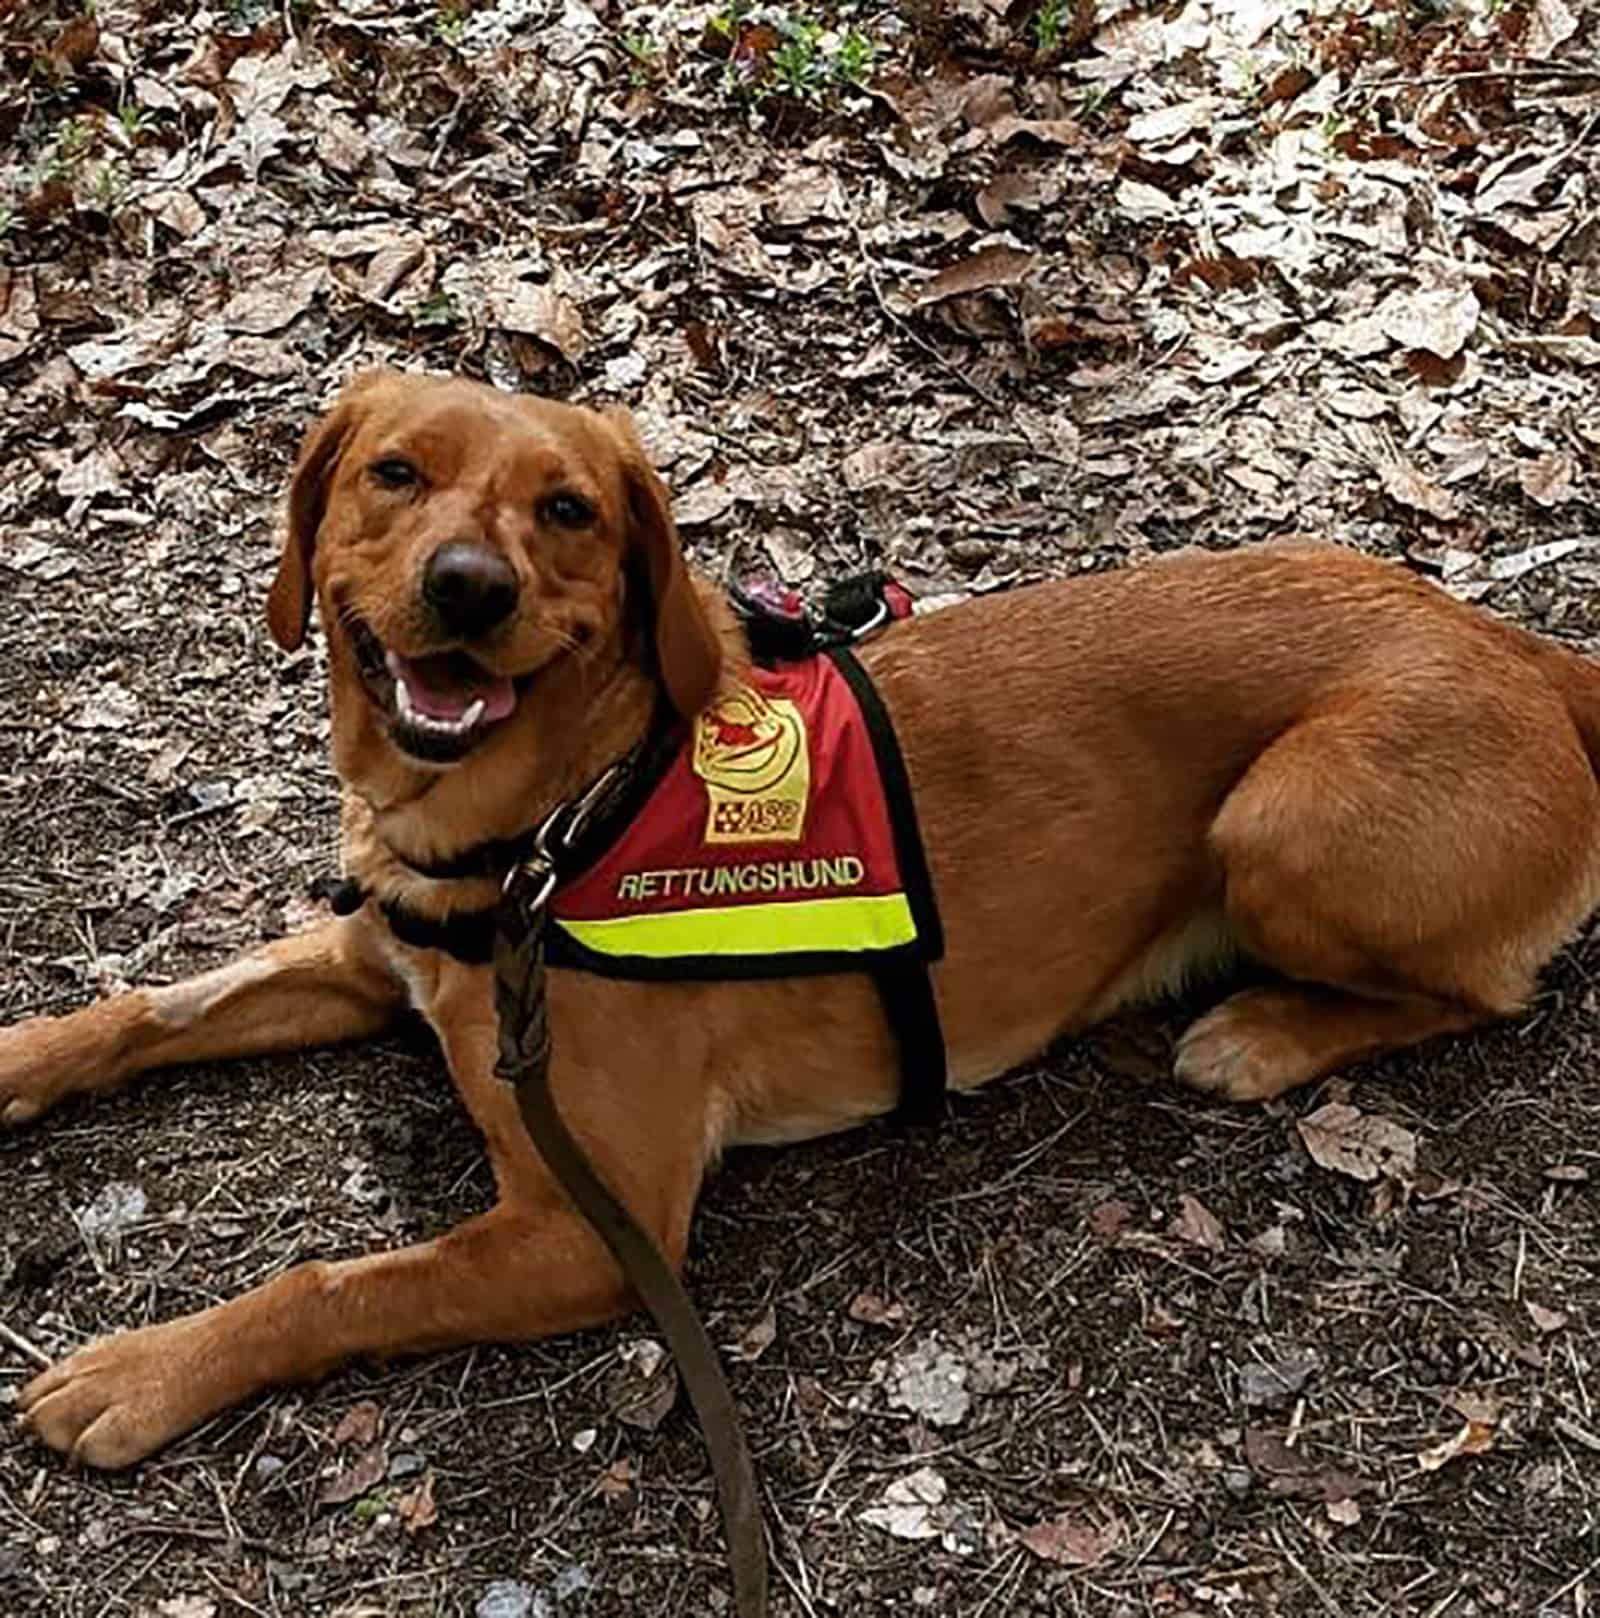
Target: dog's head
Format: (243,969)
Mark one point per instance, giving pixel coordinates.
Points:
(461,542)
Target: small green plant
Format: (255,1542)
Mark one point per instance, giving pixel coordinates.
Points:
(439,309)
(134,120)
(792,53)
(108,186)
(74,139)
(644,57)
(796,65)
(727,20)
(62,160)
(852,61)
(449,25)
(1091,101)
(1050,24)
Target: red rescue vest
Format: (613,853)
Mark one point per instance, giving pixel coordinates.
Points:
(780,839)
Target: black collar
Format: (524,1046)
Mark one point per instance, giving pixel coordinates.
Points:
(574,835)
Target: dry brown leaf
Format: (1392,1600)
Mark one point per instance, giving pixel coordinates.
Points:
(1482,1408)
(617,1479)
(910,1506)
(1439,322)
(1473,1439)
(1073,1541)
(1343,1512)
(1362,1145)
(1047,131)
(360,1424)
(1110,1218)
(269,306)
(177,210)
(1545,1320)
(756,1338)
(366,1471)
(416,1508)
(186,1607)
(1552,24)
(19,311)
(1197,1225)
(1166,124)
(544,314)
(989,267)
(1403,482)
(644,1386)
(1288,1473)
(871,1310)
(1547,481)
(389,266)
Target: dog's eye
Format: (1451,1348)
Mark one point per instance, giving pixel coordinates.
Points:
(569,510)
(393,473)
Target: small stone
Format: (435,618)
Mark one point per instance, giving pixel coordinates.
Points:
(1237,1481)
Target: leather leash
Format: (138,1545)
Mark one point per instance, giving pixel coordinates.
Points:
(524,1061)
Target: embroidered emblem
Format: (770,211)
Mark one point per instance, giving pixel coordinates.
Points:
(751,752)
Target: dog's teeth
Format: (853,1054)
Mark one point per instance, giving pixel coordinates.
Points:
(402,697)
(472,715)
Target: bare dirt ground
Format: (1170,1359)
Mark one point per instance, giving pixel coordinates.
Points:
(979,292)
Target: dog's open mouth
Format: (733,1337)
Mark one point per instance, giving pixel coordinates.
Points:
(439,707)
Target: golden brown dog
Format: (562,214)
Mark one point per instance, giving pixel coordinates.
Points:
(1292,754)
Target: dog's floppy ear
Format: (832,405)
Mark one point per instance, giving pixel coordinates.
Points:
(289,599)
(688,649)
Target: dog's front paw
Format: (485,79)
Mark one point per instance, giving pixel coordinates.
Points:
(1246,1049)
(123,1397)
(29,1084)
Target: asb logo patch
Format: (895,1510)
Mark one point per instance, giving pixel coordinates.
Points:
(751,752)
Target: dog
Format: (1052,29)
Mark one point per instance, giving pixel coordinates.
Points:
(1292,755)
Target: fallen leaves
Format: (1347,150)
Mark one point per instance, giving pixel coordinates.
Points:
(1275,1383)
(1073,1541)
(1475,1436)
(1439,321)
(871,1309)
(930,1381)
(983,271)
(1197,1225)
(1402,481)
(1362,1145)
(643,1385)
(1286,1472)
(909,1506)
(417,1508)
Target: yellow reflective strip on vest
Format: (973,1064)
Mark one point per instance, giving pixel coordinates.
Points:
(860,923)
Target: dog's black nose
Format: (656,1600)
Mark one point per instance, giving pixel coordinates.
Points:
(471,587)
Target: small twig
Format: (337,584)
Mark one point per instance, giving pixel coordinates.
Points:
(16,1340)
(1579,1435)
(448,130)
(899,321)
(1577,73)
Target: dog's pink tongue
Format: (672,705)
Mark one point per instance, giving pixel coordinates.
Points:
(445,687)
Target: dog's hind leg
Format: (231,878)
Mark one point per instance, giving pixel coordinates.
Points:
(313,988)
(1409,863)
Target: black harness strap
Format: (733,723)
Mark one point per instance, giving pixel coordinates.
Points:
(904,986)
(468,935)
